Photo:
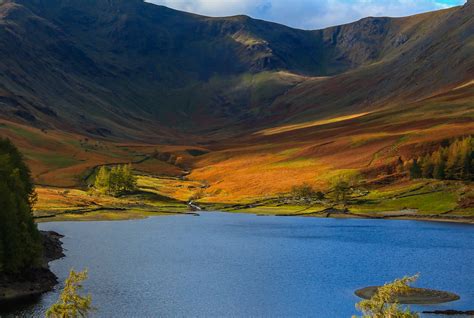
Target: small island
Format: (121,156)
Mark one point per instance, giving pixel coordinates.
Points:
(418,296)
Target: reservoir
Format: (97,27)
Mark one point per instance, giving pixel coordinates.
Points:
(241,265)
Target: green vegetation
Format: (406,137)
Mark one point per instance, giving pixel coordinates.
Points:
(384,302)
(20,241)
(115,182)
(306,192)
(344,186)
(454,162)
(71,304)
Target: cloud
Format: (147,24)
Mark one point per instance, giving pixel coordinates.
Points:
(308,14)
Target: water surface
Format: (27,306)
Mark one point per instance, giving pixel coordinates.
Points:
(237,265)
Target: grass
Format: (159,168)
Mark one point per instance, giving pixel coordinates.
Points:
(421,198)
(75,204)
(430,203)
(282,129)
(54,161)
(263,164)
(133,214)
(281,210)
(169,187)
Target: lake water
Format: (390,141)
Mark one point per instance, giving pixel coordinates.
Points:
(238,265)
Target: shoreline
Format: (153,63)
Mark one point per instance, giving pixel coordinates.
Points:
(341,214)
(326,213)
(15,289)
(424,218)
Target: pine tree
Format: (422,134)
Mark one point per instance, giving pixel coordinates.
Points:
(71,304)
(415,170)
(399,165)
(439,159)
(465,158)
(20,239)
(102,180)
(117,181)
(427,167)
(131,180)
(453,161)
(382,304)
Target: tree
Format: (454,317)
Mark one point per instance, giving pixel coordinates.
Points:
(102,180)
(439,160)
(415,170)
(427,167)
(341,190)
(117,181)
(306,192)
(453,162)
(344,186)
(129,180)
(384,304)
(70,303)
(399,165)
(20,240)
(466,155)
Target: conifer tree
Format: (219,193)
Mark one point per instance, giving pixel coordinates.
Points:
(71,304)
(465,158)
(415,170)
(453,161)
(117,181)
(102,180)
(427,167)
(399,165)
(439,159)
(20,241)
(383,303)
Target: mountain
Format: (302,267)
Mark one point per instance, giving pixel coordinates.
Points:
(118,68)
(126,71)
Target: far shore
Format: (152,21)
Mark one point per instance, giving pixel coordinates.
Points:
(124,214)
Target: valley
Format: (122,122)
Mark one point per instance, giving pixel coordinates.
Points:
(258,169)
(292,107)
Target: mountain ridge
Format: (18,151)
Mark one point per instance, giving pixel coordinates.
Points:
(140,63)
(247,108)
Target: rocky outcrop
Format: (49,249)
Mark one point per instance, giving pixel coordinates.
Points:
(35,281)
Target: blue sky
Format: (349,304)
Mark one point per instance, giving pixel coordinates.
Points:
(309,14)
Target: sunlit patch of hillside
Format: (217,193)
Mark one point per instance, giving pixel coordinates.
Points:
(154,196)
(281,129)
(269,164)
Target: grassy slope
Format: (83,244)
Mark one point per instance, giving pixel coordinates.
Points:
(260,165)
(156,196)
(280,129)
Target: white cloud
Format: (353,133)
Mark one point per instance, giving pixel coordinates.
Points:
(308,14)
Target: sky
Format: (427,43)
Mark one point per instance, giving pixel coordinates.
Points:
(309,14)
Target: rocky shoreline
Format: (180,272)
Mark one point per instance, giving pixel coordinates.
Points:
(33,282)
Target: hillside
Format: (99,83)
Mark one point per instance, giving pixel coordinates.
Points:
(247,107)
